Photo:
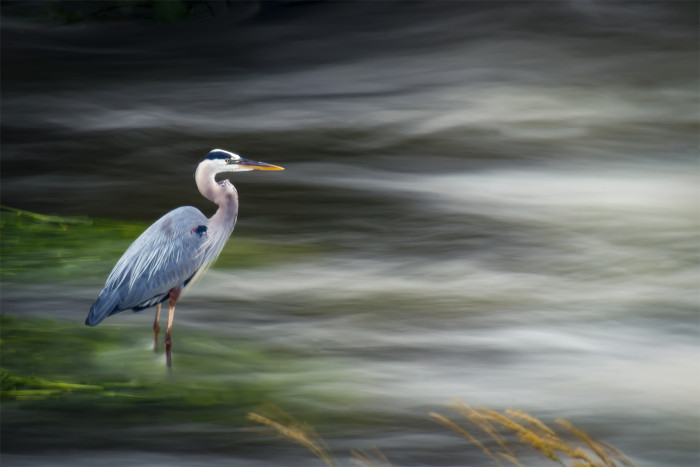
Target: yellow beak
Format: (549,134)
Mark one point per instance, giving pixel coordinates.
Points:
(255,165)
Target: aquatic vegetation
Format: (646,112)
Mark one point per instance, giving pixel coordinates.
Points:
(34,387)
(63,376)
(63,365)
(34,246)
(369,458)
(283,424)
(510,431)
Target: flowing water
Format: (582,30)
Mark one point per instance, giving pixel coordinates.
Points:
(497,202)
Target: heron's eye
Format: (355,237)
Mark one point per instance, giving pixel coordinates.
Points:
(228,161)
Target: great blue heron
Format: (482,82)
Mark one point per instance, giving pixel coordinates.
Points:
(176,249)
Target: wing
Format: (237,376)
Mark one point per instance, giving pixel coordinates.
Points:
(166,255)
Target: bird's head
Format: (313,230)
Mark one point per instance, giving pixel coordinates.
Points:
(225,161)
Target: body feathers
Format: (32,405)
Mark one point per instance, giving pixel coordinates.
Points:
(175,250)
(166,255)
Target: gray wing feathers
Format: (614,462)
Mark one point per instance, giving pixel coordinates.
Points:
(167,254)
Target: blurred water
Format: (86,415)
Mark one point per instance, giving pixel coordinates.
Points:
(506,198)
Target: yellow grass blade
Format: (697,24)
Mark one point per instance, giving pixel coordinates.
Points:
(465,410)
(512,459)
(299,433)
(590,442)
(466,434)
(375,459)
(530,419)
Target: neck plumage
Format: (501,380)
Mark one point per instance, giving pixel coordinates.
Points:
(221,224)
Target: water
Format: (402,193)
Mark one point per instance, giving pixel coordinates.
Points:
(502,200)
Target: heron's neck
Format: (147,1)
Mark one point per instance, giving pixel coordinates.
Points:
(224,194)
(220,225)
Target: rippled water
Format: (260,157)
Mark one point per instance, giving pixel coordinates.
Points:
(503,200)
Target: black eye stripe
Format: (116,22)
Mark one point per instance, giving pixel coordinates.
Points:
(219,155)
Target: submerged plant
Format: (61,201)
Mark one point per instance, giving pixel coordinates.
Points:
(35,387)
(35,247)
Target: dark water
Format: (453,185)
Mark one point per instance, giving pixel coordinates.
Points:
(503,198)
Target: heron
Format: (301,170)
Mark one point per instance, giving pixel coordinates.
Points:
(175,250)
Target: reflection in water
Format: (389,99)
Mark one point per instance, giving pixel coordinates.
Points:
(498,203)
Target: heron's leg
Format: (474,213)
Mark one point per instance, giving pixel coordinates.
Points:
(174,295)
(156,329)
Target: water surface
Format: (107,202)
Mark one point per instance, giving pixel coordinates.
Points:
(492,202)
